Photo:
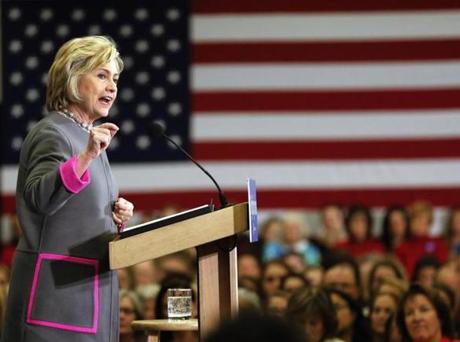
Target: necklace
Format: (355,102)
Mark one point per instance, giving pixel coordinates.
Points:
(71,116)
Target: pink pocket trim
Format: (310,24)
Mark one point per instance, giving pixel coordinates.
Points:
(75,328)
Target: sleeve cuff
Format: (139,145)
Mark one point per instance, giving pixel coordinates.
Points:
(69,176)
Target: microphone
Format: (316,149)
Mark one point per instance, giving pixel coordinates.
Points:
(157,129)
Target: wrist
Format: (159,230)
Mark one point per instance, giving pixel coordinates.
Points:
(84,159)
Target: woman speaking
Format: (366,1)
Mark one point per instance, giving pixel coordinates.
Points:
(68,207)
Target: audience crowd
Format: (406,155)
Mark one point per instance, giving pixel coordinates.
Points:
(344,283)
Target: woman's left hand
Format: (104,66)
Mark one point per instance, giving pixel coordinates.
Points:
(122,211)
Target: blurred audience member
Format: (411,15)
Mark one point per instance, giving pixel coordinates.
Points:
(424,316)
(295,262)
(365,263)
(358,224)
(249,266)
(383,305)
(447,294)
(4,276)
(10,240)
(311,310)
(126,278)
(148,294)
(395,228)
(272,274)
(352,326)
(452,231)
(343,274)
(420,242)
(392,333)
(3,298)
(393,285)
(295,241)
(277,302)
(292,282)
(252,327)
(314,275)
(333,229)
(144,273)
(425,270)
(384,269)
(271,232)
(250,283)
(180,262)
(248,301)
(130,310)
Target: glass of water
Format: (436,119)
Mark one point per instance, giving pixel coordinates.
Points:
(179,303)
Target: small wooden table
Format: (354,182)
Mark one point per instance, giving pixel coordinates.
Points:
(154,327)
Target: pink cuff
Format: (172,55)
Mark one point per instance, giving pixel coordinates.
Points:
(69,176)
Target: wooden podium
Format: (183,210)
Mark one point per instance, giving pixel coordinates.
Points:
(213,235)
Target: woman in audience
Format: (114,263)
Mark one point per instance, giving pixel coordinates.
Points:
(3,296)
(148,295)
(295,239)
(352,326)
(392,333)
(358,224)
(395,228)
(311,310)
(272,274)
(420,242)
(126,278)
(452,231)
(314,275)
(393,285)
(385,268)
(425,270)
(270,235)
(249,266)
(130,310)
(292,282)
(295,262)
(382,306)
(276,303)
(248,301)
(333,229)
(424,316)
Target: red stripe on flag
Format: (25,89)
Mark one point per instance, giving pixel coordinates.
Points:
(327,150)
(301,199)
(325,51)
(257,6)
(325,101)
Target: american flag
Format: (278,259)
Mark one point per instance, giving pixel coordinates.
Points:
(319,101)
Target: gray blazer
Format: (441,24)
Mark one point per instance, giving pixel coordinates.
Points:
(61,287)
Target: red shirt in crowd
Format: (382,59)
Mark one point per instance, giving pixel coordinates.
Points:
(357,249)
(410,251)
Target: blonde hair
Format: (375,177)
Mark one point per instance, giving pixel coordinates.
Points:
(419,208)
(75,58)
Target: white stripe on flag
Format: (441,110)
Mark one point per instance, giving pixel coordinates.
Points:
(318,26)
(288,126)
(183,176)
(325,76)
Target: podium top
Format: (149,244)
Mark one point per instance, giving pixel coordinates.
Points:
(165,221)
(157,325)
(178,236)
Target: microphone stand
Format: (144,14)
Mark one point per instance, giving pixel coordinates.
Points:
(222,199)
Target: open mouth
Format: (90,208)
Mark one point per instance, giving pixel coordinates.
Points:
(106,100)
